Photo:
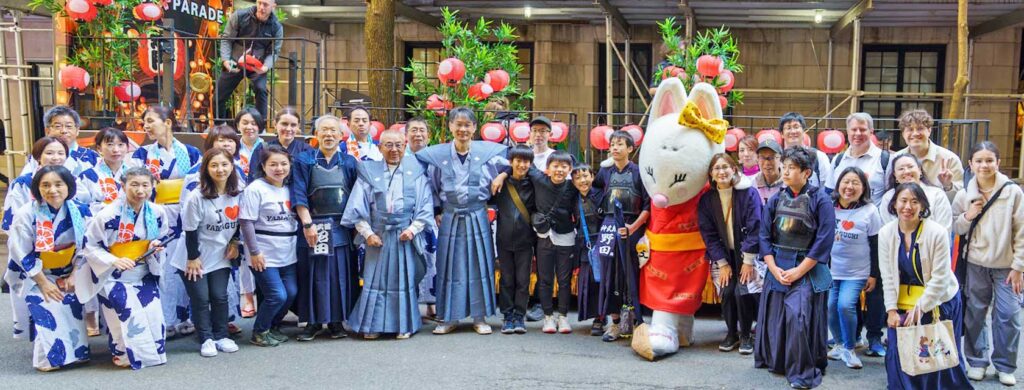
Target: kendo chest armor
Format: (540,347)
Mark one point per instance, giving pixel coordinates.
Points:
(328,192)
(593,216)
(621,187)
(794,226)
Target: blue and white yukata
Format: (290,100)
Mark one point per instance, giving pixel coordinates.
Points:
(99,186)
(386,200)
(57,329)
(79,159)
(328,285)
(171,164)
(129,300)
(465,244)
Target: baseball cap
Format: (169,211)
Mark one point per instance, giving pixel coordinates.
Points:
(541,120)
(770,144)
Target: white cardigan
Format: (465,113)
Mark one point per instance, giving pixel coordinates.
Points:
(998,240)
(936,269)
(938,202)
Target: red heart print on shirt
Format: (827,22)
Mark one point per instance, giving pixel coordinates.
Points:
(847,225)
(231,212)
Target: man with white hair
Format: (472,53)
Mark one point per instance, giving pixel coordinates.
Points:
(863,154)
(322,179)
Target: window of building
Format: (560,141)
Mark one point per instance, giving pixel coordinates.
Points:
(901,68)
(428,55)
(641,57)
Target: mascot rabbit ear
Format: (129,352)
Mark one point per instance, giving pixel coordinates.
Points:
(706,99)
(669,99)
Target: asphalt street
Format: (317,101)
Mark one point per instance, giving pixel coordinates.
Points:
(459,360)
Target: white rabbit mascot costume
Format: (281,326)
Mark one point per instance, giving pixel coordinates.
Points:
(682,134)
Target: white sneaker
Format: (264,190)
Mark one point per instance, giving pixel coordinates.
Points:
(1007,378)
(836,352)
(209,348)
(227,345)
(549,325)
(563,325)
(976,373)
(851,359)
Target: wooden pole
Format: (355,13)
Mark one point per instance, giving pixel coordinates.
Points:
(960,86)
(379,40)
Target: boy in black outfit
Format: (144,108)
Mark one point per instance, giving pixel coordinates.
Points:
(515,240)
(556,202)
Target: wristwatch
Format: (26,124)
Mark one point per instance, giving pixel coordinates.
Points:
(307,225)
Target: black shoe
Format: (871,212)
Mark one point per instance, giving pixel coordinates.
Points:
(520,324)
(508,326)
(276,334)
(597,329)
(536,313)
(337,331)
(729,344)
(746,345)
(263,339)
(310,332)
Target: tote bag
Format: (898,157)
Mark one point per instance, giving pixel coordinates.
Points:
(927,348)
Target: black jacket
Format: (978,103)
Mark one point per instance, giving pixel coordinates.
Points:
(514,230)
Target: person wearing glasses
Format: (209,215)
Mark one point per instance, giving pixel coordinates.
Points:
(768,180)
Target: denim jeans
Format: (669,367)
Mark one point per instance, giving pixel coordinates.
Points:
(208,297)
(843,302)
(279,286)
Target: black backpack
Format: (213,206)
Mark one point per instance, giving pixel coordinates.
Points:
(884,160)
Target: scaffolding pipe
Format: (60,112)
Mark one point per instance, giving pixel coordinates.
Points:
(608,47)
(970,68)
(19,58)
(629,79)
(828,75)
(5,111)
(626,65)
(855,66)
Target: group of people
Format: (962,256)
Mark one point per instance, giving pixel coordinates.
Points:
(354,235)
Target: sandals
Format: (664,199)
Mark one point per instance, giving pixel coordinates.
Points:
(482,328)
(444,328)
(248,306)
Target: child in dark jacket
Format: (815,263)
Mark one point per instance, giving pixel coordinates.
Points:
(555,198)
(588,223)
(515,240)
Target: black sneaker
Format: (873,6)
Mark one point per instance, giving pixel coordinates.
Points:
(337,331)
(730,343)
(536,313)
(509,325)
(276,334)
(746,345)
(597,329)
(520,325)
(263,339)
(310,332)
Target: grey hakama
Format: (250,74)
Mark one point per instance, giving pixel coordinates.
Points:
(465,246)
(385,203)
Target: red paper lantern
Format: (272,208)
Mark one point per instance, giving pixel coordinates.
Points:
(250,63)
(709,65)
(493,131)
(766,134)
(148,12)
(599,137)
(634,131)
(673,71)
(729,79)
(400,126)
(80,9)
(559,131)
(831,141)
(440,106)
(480,91)
(723,101)
(520,131)
(127,91)
(73,77)
(451,71)
(498,79)
(732,139)
(375,129)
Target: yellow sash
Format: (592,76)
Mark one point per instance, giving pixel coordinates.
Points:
(168,191)
(58,259)
(675,242)
(130,250)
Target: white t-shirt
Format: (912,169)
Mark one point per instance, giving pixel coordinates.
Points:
(270,208)
(216,221)
(851,253)
(871,164)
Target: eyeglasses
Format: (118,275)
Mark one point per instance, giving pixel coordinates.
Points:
(763,158)
(62,127)
(721,168)
(392,145)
